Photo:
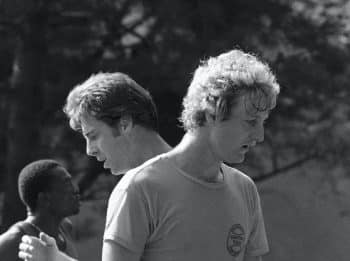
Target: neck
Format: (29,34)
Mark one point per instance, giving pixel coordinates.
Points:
(45,222)
(149,144)
(194,156)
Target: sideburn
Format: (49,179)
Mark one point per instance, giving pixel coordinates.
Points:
(116,132)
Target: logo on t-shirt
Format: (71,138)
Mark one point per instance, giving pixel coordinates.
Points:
(235,240)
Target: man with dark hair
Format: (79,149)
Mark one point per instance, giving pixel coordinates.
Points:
(118,120)
(47,191)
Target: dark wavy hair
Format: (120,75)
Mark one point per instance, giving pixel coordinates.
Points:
(108,97)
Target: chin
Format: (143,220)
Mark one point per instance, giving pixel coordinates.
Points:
(236,160)
(118,172)
(75,212)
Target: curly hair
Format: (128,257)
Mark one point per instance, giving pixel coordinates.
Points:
(34,178)
(219,81)
(108,97)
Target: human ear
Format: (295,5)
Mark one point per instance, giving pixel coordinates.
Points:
(125,124)
(43,200)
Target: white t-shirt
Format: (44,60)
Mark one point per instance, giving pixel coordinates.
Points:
(165,214)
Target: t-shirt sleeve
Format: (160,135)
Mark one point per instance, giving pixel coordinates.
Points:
(257,242)
(127,221)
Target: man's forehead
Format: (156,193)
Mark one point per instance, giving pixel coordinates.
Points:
(245,106)
(257,114)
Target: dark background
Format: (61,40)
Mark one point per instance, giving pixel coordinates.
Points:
(47,47)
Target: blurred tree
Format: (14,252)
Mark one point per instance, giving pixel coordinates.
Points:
(58,44)
(312,67)
(24,99)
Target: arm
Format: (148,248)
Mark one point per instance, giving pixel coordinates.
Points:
(112,251)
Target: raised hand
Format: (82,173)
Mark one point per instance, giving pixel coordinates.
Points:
(35,249)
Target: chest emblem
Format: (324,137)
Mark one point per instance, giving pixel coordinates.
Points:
(235,240)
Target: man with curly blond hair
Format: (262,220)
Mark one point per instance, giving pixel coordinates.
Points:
(187,204)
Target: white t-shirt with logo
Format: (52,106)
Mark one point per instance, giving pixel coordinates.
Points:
(165,214)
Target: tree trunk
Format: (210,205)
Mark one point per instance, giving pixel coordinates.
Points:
(24,111)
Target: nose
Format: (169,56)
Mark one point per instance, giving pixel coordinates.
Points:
(77,195)
(90,148)
(76,189)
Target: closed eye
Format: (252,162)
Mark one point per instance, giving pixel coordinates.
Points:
(92,137)
(252,122)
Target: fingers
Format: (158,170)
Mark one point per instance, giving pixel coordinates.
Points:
(27,239)
(30,247)
(33,241)
(24,255)
(38,249)
(25,250)
(50,241)
(25,247)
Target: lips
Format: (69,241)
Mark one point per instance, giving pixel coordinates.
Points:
(105,165)
(100,159)
(76,200)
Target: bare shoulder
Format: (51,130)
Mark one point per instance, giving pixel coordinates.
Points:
(67,225)
(9,242)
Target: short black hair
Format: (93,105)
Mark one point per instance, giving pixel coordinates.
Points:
(34,178)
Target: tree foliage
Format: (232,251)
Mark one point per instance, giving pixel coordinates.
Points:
(49,46)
